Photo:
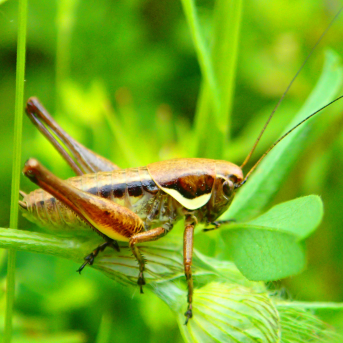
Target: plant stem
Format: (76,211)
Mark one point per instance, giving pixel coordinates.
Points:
(211,125)
(19,100)
(40,243)
(228,17)
(202,50)
(65,24)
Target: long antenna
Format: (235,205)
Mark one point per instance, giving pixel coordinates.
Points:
(281,138)
(289,86)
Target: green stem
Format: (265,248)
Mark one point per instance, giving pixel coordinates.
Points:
(212,127)
(19,100)
(104,331)
(65,25)
(314,306)
(165,261)
(228,17)
(202,50)
(40,243)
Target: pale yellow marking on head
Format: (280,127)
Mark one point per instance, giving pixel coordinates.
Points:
(190,204)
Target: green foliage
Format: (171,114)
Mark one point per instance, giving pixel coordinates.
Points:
(299,216)
(275,167)
(213,122)
(127,89)
(265,255)
(225,314)
(229,307)
(268,248)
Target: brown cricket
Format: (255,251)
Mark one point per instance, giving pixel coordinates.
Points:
(133,205)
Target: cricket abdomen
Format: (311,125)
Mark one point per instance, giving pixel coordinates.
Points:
(132,188)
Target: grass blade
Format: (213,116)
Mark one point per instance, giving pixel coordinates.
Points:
(212,129)
(65,24)
(202,51)
(19,100)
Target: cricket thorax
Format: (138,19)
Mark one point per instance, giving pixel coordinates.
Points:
(132,188)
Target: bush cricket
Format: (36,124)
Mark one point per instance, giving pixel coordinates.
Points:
(133,205)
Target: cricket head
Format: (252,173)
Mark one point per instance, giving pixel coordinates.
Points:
(228,178)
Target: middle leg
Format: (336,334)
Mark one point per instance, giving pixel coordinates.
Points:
(147,236)
(218,223)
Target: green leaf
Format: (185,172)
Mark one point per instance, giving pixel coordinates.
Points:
(263,254)
(300,216)
(300,325)
(212,125)
(266,180)
(267,247)
(231,313)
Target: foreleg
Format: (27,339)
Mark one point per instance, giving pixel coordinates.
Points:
(218,223)
(188,238)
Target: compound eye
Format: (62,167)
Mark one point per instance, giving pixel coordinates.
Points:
(228,188)
(233,178)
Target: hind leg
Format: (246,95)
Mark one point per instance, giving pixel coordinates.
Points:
(110,220)
(80,159)
(89,259)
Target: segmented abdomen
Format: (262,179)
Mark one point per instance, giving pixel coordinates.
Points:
(132,188)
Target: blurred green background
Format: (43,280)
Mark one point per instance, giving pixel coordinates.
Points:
(134,61)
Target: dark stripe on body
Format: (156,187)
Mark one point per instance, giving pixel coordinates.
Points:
(134,184)
(131,188)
